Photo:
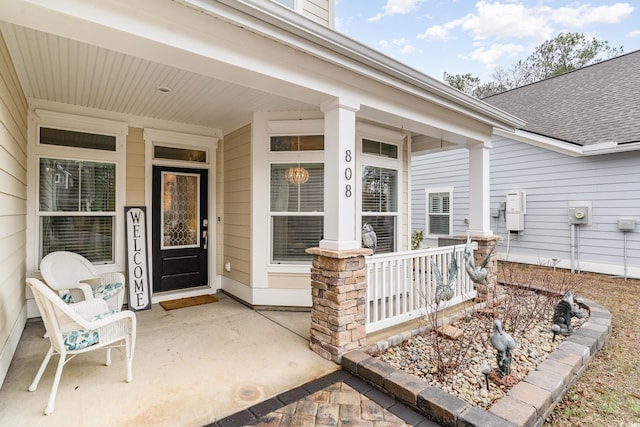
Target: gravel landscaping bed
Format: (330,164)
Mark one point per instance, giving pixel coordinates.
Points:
(466,357)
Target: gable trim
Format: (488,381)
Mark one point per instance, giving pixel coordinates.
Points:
(607,147)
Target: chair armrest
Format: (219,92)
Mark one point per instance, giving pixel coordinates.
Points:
(112,318)
(90,308)
(111,278)
(81,288)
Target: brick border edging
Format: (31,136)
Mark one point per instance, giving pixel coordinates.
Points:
(527,404)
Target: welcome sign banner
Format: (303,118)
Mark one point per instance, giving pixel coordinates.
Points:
(137,258)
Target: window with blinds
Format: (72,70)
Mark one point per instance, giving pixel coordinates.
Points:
(296,210)
(77,208)
(380,205)
(439,213)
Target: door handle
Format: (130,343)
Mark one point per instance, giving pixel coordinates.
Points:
(205,238)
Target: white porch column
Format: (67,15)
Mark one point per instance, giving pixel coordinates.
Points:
(479,190)
(340,176)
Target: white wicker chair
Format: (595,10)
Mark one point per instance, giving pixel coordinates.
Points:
(72,274)
(79,328)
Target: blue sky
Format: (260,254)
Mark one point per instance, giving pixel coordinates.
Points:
(462,36)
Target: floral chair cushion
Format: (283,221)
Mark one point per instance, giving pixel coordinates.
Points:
(67,297)
(105,292)
(108,290)
(76,340)
(79,339)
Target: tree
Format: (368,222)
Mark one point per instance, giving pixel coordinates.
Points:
(566,52)
(471,85)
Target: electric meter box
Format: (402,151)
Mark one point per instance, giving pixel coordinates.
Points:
(626,224)
(579,215)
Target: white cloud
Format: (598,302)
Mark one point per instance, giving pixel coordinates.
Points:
(396,7)
(402,43)
(440,32)
(407,49)
(384,45)
(635,33)
(514,19)
(490,56)
(501,29)
(585,15)
(507,20)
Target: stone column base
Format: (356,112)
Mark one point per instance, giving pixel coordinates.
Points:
(338,286)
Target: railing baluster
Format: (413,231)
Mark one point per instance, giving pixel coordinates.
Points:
(400,286)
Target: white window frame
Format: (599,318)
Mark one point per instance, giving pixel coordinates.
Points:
(428,192)
(35,151)
(374,133)
(297,5)
(291,128)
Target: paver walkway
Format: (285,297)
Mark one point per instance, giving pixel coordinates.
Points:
(338,399)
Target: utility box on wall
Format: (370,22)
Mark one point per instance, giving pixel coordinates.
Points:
(626,224)
(516,207)
(579,215)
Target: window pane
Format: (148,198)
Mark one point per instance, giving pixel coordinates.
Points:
(379,149)
(297,187)
(379,189)
(180,210)
(297,143)
(68,138)
(439,224)
(75,186)
(439,202)
(172,153)
(288,3)
(293,234)
(90,236)
(384,228)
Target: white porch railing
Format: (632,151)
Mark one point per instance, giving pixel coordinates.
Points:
(400,285)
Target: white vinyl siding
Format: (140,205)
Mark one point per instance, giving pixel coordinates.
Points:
(13,208)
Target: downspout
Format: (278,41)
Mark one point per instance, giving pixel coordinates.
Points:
(572,247)
(578,248)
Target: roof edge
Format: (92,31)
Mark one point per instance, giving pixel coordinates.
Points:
(564,147)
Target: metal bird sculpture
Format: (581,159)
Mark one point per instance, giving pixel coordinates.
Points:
(369,238)
(477,274)
(444,292)
(504,344)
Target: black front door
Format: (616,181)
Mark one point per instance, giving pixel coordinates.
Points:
(180,228)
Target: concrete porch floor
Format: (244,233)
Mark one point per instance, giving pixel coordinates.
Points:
(192,366)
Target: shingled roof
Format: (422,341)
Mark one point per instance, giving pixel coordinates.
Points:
(595,104)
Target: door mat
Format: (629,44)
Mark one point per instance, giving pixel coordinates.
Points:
(188,302)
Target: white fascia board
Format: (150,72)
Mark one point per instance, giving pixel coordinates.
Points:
(284,25)
(541,141)
(608,147)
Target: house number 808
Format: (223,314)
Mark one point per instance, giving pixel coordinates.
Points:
(348,174)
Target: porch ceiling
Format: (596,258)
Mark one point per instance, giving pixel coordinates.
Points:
(61,70)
